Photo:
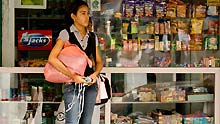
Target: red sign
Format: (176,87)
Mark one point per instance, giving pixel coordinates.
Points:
(34,39)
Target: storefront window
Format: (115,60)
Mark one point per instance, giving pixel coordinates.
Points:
(1,33)
(32,21)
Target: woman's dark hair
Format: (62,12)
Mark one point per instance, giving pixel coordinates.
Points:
(73,7)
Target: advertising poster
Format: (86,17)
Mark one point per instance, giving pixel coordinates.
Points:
(34,39)
(31,4)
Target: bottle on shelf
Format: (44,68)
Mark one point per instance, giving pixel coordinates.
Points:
(44,118)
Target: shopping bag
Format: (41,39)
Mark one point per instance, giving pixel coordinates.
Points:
(60,116)
(73,58)
(38,115)
(104,89)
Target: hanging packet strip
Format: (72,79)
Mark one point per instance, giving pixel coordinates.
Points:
(149,8)
(129,9)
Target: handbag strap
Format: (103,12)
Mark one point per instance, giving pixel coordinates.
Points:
(91,43)
(67,43)
(73,39)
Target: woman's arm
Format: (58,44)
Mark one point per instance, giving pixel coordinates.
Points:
(99,62)
(98,66)
(53,60)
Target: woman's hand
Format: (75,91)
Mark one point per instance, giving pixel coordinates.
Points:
(94,78)
(77,78)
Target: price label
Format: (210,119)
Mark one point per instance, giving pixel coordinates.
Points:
(213,2)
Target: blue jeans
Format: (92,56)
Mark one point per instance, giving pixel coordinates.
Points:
(73,95)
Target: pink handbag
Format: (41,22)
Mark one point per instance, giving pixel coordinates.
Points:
(73,58)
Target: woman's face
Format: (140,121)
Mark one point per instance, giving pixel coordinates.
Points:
(82,16)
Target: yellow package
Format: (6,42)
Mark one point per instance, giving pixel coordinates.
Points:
(196,25)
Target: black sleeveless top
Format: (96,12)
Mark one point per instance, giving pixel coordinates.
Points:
(90,49)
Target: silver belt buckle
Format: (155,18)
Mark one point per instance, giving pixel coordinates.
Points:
(68,83)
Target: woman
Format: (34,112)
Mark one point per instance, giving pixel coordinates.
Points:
(77,20)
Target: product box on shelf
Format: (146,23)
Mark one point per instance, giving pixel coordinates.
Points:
(147,96)
(129,97)
(116,119)
(198,118)
(200,97)
(177,95)
(146,93)
(117,97)
(173,118)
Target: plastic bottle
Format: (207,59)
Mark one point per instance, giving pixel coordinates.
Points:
(40,94)
(29,120)
(44,118)
(34,93)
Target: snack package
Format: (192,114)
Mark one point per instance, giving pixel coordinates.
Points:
(182,26)
(173,26)
(162,44)
(141,29)
(183,41)
(197,25)
(166,43)
(129,55)
(139,7)
(149,8)
(150,27)
(146,44)
(161,28)
(162,61)
(200,11)
(181,10)
(134,25)
(156,27)
(196,42)
(171,10)
(157,43)
(125,27)
(123,6)
(212,10)
(211,25)
(167,27)
(129,9)
(211,42)
(160,9)
(178,45)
